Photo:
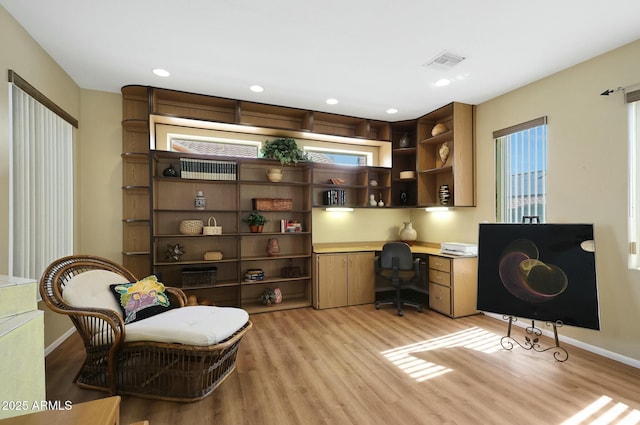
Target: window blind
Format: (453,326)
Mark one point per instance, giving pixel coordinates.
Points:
(521,171)
(41,173)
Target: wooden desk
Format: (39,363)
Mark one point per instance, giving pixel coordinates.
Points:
(105,411)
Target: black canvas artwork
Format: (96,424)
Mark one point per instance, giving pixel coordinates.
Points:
(543,272)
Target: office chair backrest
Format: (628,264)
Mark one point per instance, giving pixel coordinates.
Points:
(396,249)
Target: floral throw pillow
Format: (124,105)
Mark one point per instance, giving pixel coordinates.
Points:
(141,299)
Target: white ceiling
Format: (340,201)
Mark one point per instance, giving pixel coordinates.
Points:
(368,54)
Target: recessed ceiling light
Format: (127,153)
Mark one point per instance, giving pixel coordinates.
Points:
(392,111)
(332,101)
(442,82)
(256,88)
(161,72)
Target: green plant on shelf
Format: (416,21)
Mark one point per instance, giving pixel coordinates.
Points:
(255,219)
(284,149)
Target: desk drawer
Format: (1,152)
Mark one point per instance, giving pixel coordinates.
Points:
(436,276)
(440,298)
(440,263)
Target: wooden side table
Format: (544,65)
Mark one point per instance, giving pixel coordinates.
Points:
(105,411)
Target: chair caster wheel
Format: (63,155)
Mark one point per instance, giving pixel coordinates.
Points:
(400,313)
(420,310)
(377,306)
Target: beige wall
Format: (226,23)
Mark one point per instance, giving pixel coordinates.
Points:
(360,225)
(100,175)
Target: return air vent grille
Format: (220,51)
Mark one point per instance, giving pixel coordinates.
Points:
(444,61)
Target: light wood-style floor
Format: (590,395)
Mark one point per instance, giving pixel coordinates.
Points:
(358,365)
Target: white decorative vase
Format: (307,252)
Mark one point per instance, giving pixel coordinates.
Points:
(408,234)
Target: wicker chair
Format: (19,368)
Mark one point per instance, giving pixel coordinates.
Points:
(160,370)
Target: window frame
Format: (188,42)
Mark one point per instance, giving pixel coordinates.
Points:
(499,137)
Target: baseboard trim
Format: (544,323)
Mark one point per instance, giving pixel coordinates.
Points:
(48,350)
(577,343)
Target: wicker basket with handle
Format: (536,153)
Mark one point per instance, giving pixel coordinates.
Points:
(212,230)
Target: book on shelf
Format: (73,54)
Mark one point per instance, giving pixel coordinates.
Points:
(208,169)
(289,226)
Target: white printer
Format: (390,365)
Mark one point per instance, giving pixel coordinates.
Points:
(459,248)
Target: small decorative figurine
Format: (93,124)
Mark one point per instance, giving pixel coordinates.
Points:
(170,171)
(444,153)
(273,247)
(404,141)
(174,252)
(372,200)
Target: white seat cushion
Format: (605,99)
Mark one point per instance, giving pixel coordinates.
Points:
(91,289)
(191,325)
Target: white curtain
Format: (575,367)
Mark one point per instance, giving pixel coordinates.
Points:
(41,171)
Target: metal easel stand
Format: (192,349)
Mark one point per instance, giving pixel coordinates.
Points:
(532,342)
(532,339)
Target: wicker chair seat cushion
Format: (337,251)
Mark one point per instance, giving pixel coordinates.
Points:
(191,325)
(91,289)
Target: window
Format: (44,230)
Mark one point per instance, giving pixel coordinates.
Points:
(633,100)
(215,146)
(317,151)
(339,156)
(521,169)
(41,181)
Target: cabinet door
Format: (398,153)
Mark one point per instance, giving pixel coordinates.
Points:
(361,278)
(331,282)
(465,286)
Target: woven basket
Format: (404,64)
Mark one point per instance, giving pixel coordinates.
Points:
(191,227)
(212,230)
(272,204)
(199,277)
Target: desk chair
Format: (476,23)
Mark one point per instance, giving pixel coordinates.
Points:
(397,265)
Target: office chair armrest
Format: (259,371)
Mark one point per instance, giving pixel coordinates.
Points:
(376,262)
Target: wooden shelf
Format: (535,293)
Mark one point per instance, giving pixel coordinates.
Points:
(173,200)
(458,170)
(261,115)
(274,280)
(255,307)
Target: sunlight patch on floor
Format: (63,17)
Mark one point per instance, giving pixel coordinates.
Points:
(605,411)
(421,370)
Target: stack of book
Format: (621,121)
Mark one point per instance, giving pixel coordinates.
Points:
(334,197)
(290,226)
(254,274)
(208,169)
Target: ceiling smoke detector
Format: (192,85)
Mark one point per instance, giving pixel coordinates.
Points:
(444,61)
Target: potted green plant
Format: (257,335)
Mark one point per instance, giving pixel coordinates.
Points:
(255,220)
(284,149)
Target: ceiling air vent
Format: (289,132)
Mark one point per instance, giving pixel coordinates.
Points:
(444,61)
